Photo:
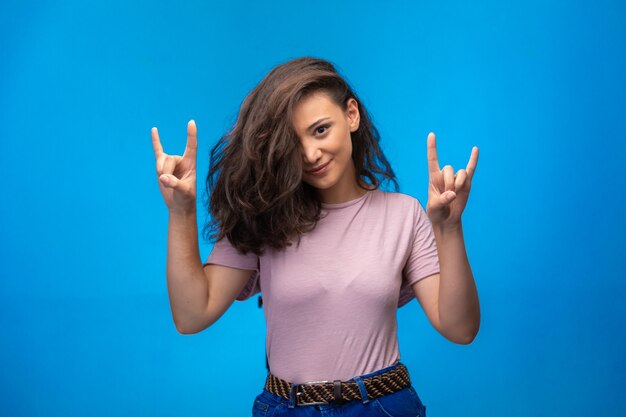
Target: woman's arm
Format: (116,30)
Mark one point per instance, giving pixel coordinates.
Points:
(452,299)
(186,282)
(458,305)
(198,296)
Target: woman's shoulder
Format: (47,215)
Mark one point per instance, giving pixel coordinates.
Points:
(400,204)
(394,198)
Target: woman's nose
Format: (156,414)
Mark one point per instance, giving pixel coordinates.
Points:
(311,154)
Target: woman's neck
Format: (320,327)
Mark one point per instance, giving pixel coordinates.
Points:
(340,195)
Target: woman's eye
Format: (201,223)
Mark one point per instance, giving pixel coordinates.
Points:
(321,127)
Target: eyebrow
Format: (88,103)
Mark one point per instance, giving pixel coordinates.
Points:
(317,122)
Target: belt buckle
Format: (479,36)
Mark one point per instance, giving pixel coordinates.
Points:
(296,392)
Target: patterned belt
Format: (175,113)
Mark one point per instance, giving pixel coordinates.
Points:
(324,392)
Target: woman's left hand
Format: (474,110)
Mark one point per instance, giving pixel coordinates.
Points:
(447,192)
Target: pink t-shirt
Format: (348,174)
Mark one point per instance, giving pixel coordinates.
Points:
(330,304)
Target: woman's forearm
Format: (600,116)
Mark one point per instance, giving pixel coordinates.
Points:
(186,282)
(459,308)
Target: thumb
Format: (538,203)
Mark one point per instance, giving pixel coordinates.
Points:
(447,197)
(169,181)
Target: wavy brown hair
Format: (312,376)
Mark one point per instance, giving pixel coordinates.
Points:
(256,196)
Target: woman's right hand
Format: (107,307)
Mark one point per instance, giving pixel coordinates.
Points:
(177,174)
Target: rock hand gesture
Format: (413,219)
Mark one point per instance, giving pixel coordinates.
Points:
(177,174)
(447,192)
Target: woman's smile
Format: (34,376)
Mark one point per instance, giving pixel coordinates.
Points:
(322,170)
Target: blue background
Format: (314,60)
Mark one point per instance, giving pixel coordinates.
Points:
(538,86)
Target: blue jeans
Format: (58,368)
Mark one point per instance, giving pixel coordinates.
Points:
(403,403)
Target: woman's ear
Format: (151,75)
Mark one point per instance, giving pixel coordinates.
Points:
(353,114)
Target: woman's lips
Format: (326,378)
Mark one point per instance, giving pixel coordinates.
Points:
(321,170)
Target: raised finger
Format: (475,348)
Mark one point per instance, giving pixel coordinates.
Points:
(471,165)
(192,140)
(156,143)
(448,178)
(431,154)
(160,162)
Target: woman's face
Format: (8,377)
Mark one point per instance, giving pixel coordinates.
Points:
(324,131)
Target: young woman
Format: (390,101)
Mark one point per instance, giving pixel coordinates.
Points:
(299,214)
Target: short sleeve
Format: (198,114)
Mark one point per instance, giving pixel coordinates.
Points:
(423,260)
(224,253)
